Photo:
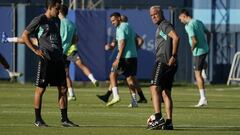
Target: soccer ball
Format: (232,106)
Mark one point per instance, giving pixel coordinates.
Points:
(150,120)
(155,124)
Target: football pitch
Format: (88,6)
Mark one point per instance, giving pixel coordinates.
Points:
(220,117)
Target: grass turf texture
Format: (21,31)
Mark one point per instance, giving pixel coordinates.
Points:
(220,117)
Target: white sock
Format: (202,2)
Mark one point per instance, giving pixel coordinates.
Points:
(12,39)
(202,94)
(134,98)
(9,72)
(115,92)
(71,92)
(91,77)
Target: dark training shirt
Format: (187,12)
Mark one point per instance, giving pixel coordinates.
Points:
(47,32)
(163,43)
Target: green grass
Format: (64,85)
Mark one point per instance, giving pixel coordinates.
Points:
(220,117)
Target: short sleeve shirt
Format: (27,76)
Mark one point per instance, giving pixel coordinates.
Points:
(196,28)
(125,32)
(68,30)
(47,32)
(163,43)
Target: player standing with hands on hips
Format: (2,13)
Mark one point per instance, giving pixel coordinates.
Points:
(51,70)
(166,44)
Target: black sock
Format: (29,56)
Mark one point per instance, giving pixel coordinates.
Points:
(64,115)
(38,114)
(140,93)
(108,94)
(168,121)
(158,116)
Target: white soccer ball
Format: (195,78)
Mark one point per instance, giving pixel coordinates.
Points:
(151,119)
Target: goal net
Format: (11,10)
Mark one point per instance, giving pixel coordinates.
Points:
(234,74)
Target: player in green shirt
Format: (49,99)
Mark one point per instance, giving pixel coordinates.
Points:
(69,41)
(125,62)
(199,38)
(139,42)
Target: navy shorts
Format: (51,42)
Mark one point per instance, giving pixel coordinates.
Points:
(163,75)
(126,67)
(199,62)
(50,72)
